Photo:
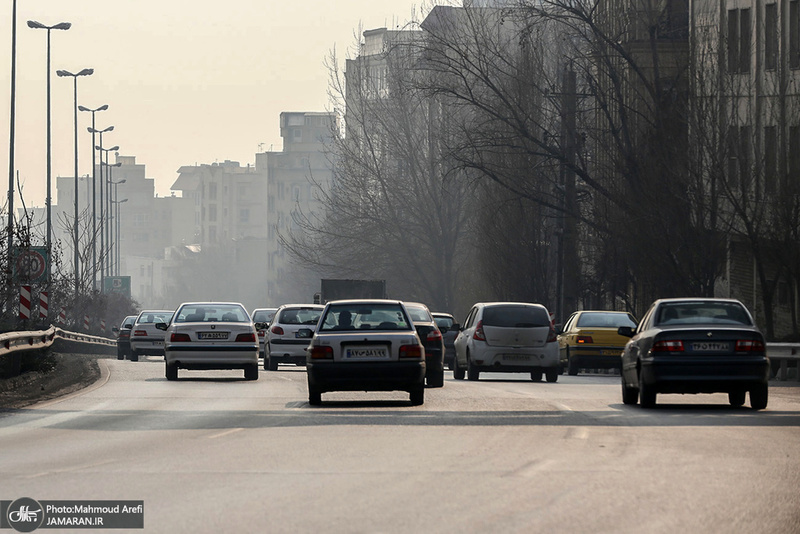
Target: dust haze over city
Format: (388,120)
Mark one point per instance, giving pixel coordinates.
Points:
(183,86)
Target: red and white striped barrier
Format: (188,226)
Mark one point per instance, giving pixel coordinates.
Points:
(25,302)
(103,325)
(44,304)
(86,322)
(62,315)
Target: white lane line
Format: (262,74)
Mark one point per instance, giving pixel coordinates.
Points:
(227,432)
(70,469)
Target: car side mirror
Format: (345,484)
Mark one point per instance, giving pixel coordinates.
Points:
(443,329)
(456,327)
(162,326)
(115,329)
(626,331)
(559,328)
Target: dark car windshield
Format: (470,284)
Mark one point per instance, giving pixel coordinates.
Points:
(680,313)
(605,320)
(443,322)
(515,316)
(355,316)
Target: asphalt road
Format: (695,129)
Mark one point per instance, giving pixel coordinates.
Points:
(214,453)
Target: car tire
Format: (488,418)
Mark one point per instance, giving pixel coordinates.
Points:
(473,373)
(251,372)
(134,356)
(759,396)
(417,396)
(171,371)
(437,380)
(551,375)
(271,364)
(314,397)
(629,395)
(647,395)
(736,398)
(536,376)
(458,371)
(120,355)
(572,366)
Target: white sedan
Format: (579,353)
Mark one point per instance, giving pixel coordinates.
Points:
(210,335)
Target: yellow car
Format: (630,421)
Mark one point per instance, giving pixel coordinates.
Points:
(589,340)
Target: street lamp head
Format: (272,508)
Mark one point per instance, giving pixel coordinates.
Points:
(38,25)
(101,108)
(84,72)
(113,148)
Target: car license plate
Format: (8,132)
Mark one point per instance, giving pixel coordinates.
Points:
(516,357)
(707,346)
(304,333)
(611,353)
(158,343)
(366,352)
(212,335)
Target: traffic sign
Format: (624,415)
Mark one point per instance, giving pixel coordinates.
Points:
(117,284)
(30,264)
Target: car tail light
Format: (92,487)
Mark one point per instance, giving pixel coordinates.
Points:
(247,337)
(277,330)
(124,334)
(321,353)
(140,333)
(179,338)
(667,345)
(749,345)
(411,351)
(584,339)
(261,333)
(551,335)
(434,335)
(478,334)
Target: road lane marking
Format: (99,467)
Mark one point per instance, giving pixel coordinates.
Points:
(70,469)
(221,434)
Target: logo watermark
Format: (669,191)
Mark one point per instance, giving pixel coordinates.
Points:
(27,515)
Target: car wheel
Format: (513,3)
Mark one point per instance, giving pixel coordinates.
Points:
(736,398)
(271,364)
(134,356)
(120,355)
(458,371)
(536,376)
(251,372)
(171,371)
(551,374)
(647,395)
(572,366)
(473,373)
(759,396)
(314,397)
(629,395)
(417,396)
(437,380)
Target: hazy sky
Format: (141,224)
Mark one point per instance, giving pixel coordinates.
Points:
(184,86)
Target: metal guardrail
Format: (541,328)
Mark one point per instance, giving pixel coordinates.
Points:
(40,339)
(782,354)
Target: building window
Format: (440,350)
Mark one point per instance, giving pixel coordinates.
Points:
(244,216)
(771,36)
(212,213)
(212,191)
(770,159)
(739,40)
(738,158)
(794,34)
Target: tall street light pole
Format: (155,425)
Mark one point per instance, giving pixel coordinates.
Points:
(63,73)
(94,192)
(103,209)
(94,222)
(49,201)
(10,238)
(110,218)
(114,229)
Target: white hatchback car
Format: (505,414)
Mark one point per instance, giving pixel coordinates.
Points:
(366,345)
(289,333)
(210,335)
(145,337)
(507,337)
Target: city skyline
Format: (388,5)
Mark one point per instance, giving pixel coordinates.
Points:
(182,88)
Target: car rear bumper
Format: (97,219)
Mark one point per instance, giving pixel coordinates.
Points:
(288,350)
(515,359)
(216,357)
(596,357)
(365,376)
(155,348)
(705,375)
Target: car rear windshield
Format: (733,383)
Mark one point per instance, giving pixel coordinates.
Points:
(364,317)
(702,313)
(263,316)
(212,313)
(307,316)
(605,320)
(515,316)
(419,314)
(443,322)
(154,317)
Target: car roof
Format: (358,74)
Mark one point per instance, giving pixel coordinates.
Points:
(366,301)
(697,299)
(313,306)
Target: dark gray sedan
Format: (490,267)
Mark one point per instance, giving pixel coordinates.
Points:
(696,345)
